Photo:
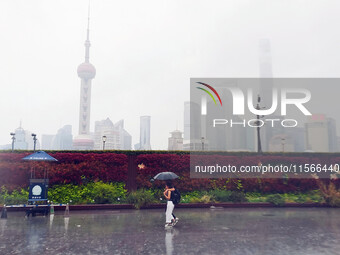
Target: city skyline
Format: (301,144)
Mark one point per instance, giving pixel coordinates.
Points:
(145,49)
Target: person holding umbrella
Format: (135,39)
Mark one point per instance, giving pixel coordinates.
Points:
(171,195)
(169,218)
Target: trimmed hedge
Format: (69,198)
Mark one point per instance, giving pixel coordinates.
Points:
(112,166)
(71,168)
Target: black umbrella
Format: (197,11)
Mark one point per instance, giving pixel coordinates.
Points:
(163,176)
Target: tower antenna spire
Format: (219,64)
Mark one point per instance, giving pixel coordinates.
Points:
(88,22)
(87,42)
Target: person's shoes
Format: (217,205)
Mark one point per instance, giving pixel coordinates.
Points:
(174,221)
(168,225)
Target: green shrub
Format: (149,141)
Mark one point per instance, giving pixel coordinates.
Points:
(14,198)
(220,195)
(140,198)
(186,198)
(237,197)
(158,195)
(108,193)
(315,196)
(276,199)
(255,197)
(3,195)
(301,199)
(228,196)
(67,193)
(190,197)
(97,192)
(203,199)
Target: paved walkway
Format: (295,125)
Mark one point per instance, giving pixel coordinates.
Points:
(199,231)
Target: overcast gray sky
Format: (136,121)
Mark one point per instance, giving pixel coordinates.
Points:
(145,53)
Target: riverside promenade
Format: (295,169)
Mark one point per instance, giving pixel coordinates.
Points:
(199,231)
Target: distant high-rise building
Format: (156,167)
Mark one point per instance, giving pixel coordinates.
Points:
(63,139)
(144,139)
(20,139)
(117,138)
(332,135)
(105,128)
(186,122)
(46,142)
(86,72)
(321,134)
(266,92)
(298,135)
(60,141)
(127,140)
(24,140)
(265,59)
(175,142)
(192,118)
(136,146)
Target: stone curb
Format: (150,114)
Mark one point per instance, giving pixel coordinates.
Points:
(159,206)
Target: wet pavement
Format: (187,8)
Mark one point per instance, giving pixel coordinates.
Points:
(199,231)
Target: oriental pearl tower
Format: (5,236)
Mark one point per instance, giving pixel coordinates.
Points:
(86,72)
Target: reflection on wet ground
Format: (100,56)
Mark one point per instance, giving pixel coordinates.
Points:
(199,231)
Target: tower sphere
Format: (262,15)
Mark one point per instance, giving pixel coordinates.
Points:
(86,71)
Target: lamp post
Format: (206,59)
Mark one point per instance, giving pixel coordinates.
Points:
(259,147)
(34,140)
(202,140)
(13,139)
(283,141)
(104,140)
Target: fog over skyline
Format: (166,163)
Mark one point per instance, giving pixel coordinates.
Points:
(145,54)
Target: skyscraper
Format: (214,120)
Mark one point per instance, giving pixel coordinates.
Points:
(175,142)
(321,134)
(266,92)
(265,66)
(86,72)
(192,127)
(20,139)
(63,139)
(24,140)
(117,138)
(144,139)
(60,141)
(47,141)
